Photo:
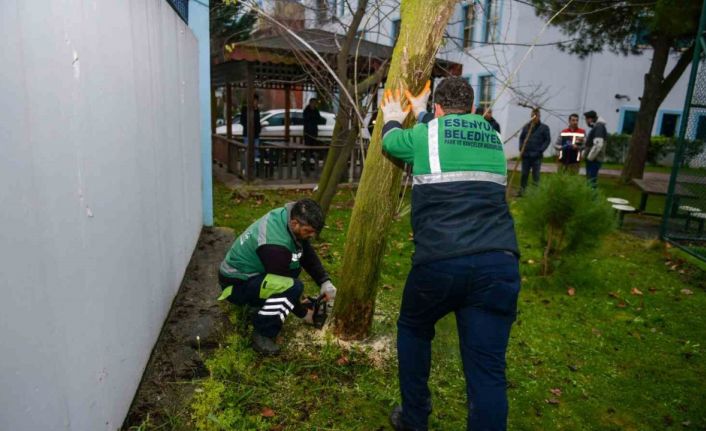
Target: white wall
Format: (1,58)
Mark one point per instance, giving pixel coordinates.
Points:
(100,198)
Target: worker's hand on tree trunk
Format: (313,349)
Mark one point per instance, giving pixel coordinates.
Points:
(419,102)
(391,107)
(328,289)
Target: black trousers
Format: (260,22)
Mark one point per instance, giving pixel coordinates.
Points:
(272,310)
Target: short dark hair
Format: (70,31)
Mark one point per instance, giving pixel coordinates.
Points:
(308,212)
(480,110)
(573,115)
(455,95)
(590,114)
(314,99)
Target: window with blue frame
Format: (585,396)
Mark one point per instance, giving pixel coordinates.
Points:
(641,35)
(700,128)
(668,124)
(485,91)
(395,30)
(491,21)
(627,123)
(469,17)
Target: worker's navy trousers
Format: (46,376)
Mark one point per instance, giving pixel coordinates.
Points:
(272,309)
(482,290)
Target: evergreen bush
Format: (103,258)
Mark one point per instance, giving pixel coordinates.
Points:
(566,216)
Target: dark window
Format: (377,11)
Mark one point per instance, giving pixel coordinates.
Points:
(468,21)
(395,30)
(491,21)
(276,120)
(485,91)
(628,122)
(181,7)
(669,124)
(701,128)
(296,118)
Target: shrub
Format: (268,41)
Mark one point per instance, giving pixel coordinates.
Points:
(565,215)
(618,146)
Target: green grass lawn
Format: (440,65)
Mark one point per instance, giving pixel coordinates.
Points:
(626,352)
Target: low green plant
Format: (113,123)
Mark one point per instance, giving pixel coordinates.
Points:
(566,215)
(618,146)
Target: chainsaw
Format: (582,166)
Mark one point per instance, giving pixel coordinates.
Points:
(320,307)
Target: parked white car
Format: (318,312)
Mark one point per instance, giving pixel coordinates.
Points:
(272,122)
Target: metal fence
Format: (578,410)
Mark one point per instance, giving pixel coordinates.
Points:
(181,7)
(685,208)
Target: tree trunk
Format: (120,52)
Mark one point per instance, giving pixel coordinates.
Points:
(339,149)
(656,88)
(412,60)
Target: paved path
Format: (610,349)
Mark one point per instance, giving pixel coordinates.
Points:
(551,167)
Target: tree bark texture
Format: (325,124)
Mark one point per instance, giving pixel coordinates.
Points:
(655,90)
(422,28)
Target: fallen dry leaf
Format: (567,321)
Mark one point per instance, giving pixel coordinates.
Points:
(530,261)
(635,291)
(612,294)
(555,391)
(687,291)
(621,304)
(343,360)
(571,291)
(267,412)
(552,401)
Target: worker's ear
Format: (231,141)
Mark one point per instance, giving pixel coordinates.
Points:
(438,111)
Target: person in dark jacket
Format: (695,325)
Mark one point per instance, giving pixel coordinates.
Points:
(263,265)
(488,115)
(258,126)
(595,146)
(534,140)
(466,255)
(312,119)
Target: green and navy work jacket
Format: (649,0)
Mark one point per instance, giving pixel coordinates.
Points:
(268,246)
(458,194)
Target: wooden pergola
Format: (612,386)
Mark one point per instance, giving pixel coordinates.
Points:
(279,61)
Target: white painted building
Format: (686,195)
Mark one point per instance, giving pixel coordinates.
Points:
(492,39)
(101,201)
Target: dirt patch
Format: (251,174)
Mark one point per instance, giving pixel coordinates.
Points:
(195,326)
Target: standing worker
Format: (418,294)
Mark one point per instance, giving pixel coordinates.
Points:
(568,146)
(466,255)
(534,140)
(263,265)
(595,146)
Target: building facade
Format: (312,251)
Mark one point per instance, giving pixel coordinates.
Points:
(513,63)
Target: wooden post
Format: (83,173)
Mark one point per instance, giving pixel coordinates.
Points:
(287,107)
(229,123)
(251,122)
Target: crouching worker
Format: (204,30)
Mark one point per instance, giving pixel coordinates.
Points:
(263,265)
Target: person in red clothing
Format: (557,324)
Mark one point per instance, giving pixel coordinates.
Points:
(568,146)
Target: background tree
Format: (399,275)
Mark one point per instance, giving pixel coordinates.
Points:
(422,29)
(229,23)
(629,27)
